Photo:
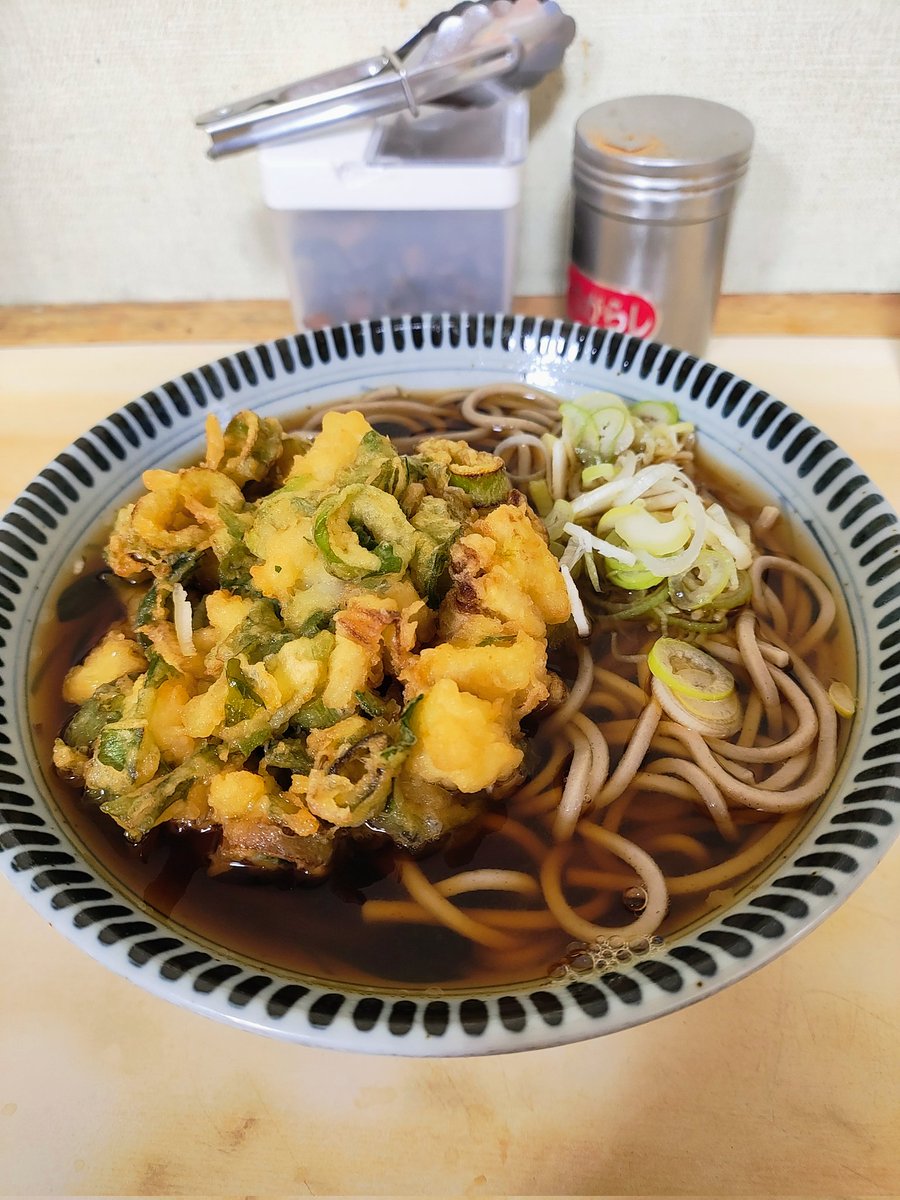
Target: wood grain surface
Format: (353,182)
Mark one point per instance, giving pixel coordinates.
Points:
(250,321)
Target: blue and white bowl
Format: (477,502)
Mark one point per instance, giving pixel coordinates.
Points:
(744,428)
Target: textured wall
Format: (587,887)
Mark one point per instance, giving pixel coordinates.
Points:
(105,193)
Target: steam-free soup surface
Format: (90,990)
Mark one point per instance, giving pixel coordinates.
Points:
(319,929)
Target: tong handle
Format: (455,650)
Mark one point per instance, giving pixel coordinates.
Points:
(327,81)
(355,92)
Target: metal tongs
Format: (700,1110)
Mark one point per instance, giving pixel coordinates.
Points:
(472,55)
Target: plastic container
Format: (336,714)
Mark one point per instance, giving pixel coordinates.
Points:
(655,180)
(400,215)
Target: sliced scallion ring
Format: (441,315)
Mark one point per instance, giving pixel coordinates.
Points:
(647,533)
(602,471)
(842,698)
(736,596)
(710,718)
(656,412)
(597,427)
(699,587)
(688,671)
(630,579)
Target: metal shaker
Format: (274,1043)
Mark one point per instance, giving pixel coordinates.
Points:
(655,179)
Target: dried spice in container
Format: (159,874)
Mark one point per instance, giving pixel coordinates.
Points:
(655,179)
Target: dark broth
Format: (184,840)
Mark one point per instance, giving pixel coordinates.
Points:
(318,929)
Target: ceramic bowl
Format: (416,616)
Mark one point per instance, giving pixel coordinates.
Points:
(745,429)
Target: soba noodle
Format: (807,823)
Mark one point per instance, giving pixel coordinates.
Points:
(611,755)
(635,812)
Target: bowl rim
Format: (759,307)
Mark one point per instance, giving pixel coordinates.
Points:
(816,874)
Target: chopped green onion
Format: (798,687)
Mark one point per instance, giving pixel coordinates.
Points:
(644,532)
(636,608)
(540,496)
(104,707)
(656,412)
(119,747)
(597,426)
(843,699)
(590,567)
(316,715)
(490,487)
(559,516)
(587,542)
(405,736)
(737,596)
(241,700)
(630,579)
(602,471)
(290,754)
(158,670)
(370,704)
(361,508)
(698,587)
(316,621)
(689,671)
(719,625)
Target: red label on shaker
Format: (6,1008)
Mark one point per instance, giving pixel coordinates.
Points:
(595,304)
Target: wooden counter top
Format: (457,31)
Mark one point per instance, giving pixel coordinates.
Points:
(248,321)
(786,1083)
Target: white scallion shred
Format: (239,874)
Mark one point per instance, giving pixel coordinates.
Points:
(590,567)
(607,549)
(184,618)
(578,614)
(572,554)
(556,518)
(721,529)
(558,463)
(624,489)
(677,564)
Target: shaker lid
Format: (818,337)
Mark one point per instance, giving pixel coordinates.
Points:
(675,152)
(653,134)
